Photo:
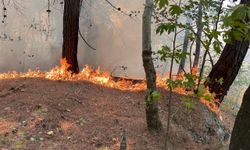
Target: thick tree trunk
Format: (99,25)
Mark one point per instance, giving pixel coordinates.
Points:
(152,115)
(198,38)
(185,48)
(70,33)
(241,132)
(228,66)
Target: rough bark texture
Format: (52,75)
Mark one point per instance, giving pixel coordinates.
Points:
(152,115)
(198,38)
(241,133)
(227,66)
(70,33)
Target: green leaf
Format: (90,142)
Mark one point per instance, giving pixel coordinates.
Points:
(217,46)
(156,96)
(190,80)
(201,91)
(162,3)
(166,27)
(188,103)
(221,80)
(165,52)
(175,10)
(171,83)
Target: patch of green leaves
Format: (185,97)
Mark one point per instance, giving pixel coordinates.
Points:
(81,121)
(166,27)
(188,103)
(175,10)
(152,96)
(238,23)
(162,3)
(188,82)
(165,52)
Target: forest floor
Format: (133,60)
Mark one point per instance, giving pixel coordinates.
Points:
(40,114)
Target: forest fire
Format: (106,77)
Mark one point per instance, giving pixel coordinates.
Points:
(87,74)
(97,77)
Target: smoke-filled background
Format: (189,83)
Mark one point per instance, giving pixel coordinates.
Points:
(31,38)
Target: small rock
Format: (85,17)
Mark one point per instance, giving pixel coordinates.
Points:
(24,123)
(50,133)
(41,139)
(7,108)
(32,139)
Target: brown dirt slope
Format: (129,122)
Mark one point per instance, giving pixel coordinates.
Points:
(39,114)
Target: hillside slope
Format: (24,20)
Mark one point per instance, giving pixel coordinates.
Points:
(43,114)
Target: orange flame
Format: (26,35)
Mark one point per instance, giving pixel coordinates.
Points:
(95,76)
(195,70)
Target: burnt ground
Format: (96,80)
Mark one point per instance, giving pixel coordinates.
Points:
(39,114)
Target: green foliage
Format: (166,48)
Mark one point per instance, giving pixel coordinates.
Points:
(162,3)
(156,96)
(217,46)
(200,91)
(81,122)
(152,96)
(171,24)
(165,52)
(221,80)
(205,94)
(235,26)
(166,27)
(188,103)
(173,83)
(190,81)
(175,10)
(237,21)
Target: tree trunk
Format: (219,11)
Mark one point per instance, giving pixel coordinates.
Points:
(185,48)
(70,33)
(152,115)
(241,132)
(198,38)
(228,66)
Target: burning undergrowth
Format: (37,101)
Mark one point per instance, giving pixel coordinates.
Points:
(87,74)
(81,115)
(101,78)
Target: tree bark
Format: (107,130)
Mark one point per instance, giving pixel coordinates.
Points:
(185,48)
(152,115)
(241,132)
(228,66)
(70,33)
(198,38)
